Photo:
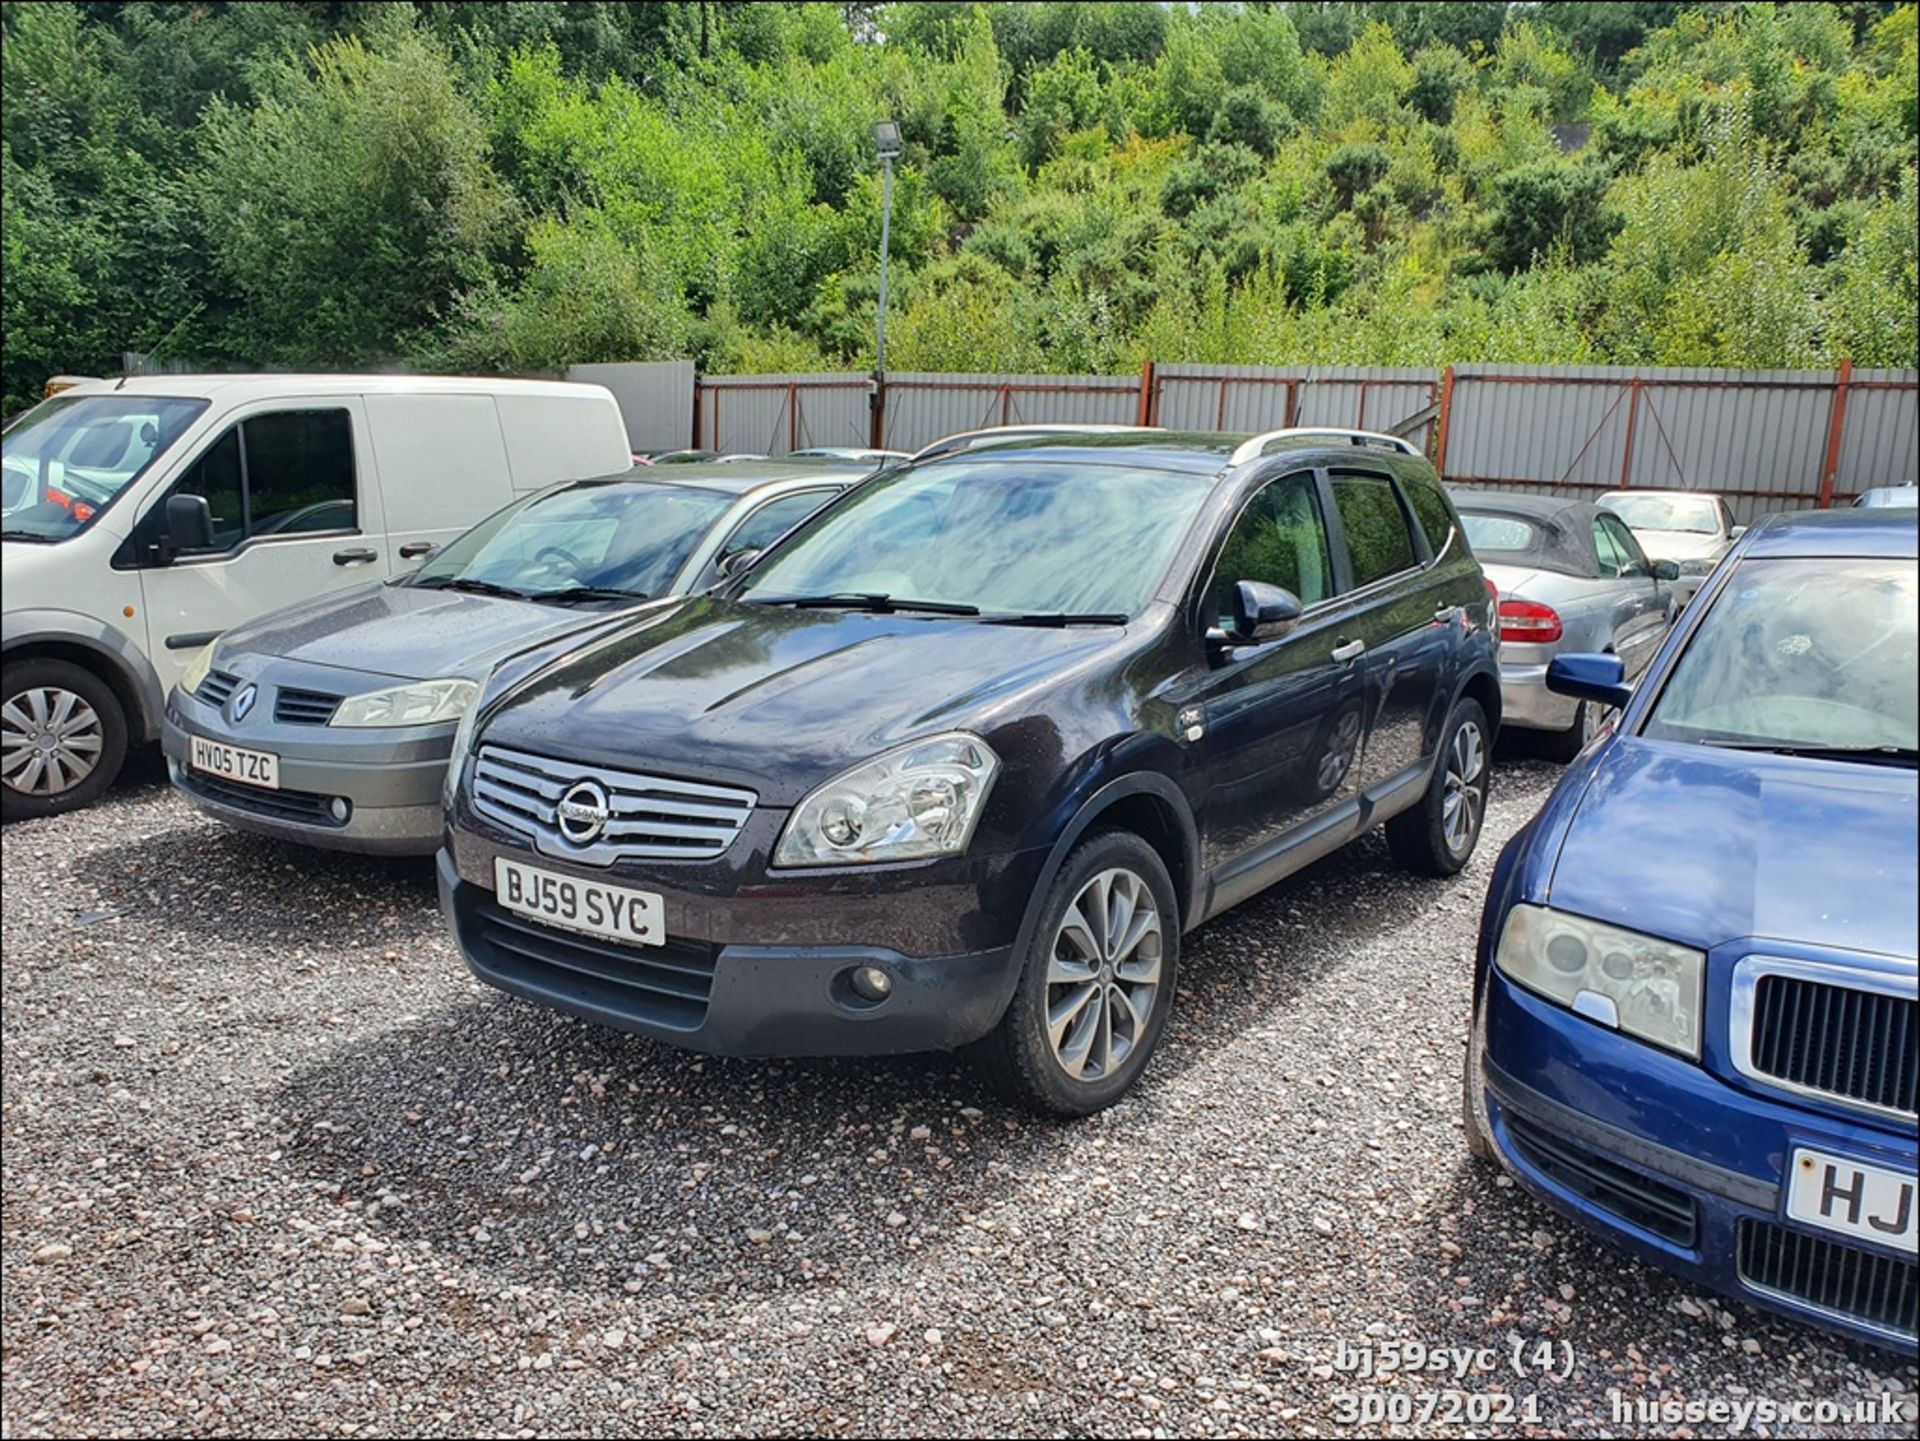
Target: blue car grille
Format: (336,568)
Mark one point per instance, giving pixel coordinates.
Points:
(1633,1196)
(1842,1280)
(1850,1043)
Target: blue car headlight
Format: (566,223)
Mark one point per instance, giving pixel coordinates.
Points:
(1646,987)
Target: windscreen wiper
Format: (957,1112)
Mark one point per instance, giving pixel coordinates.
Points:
(866,600)
(471,587)
(23,535)
(1882,755)
(1057,618)
(575,594)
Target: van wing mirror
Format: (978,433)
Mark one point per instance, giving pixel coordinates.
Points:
(1263,612)
(189,523)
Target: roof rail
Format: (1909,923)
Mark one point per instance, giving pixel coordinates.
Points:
(968,439)
(1256,446)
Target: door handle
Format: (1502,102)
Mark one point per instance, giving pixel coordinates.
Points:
(1446,613)
(355,557)
(414,549)
(1350,650)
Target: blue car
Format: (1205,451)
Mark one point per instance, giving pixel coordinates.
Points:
(1694,1006)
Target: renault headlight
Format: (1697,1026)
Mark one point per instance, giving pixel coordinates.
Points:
(1634,983)
(197,668)
(457,757)
(919,800)
(423,703)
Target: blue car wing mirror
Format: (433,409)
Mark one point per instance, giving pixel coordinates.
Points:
(1594,677)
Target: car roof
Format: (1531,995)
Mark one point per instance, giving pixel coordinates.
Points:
(241,387)
(1555,508)
(741,477)
(1194,452)
(1837,532)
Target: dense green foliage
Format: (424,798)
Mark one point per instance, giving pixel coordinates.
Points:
(518,186)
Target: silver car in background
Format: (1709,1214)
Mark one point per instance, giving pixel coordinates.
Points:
(1570,578)
(1691,528)
(1889,497)
(330,722)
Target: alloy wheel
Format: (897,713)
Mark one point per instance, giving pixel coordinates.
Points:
(50,741)
(1103,976)
(1466,793)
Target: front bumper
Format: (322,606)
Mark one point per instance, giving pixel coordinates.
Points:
(389,781)
(1586,1119)
(729,998)
(1526,702)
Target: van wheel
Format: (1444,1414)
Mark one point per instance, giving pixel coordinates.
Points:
(1437,836)
(63,736)
(1096,982)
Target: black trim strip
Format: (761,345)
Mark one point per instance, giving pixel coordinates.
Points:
(192,639)
(1688,1170)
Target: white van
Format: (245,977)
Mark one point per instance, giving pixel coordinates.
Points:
(143,517)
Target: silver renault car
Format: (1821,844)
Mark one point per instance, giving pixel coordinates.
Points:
(330,722)
(1570,579)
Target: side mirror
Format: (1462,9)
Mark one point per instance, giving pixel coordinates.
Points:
(1262,611)
(1736,532)
(189,523)
(1601,678)
(738,561)
(1666,570)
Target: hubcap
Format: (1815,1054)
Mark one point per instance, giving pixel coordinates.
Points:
(50,741)
(1103,975)
(1466,794)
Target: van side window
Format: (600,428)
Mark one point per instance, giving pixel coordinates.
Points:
(287,473)
(1378,540)
(1280,538)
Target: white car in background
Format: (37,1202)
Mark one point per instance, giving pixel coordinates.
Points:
(1691,528)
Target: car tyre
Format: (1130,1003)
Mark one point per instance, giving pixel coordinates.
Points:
(1040,1054)
(57,701)
(1436,837)
(1563,746)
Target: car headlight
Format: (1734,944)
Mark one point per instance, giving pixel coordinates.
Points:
(457,758)
(1699,565)
(197,668)
(1645,987)
(422,703)
(919,800)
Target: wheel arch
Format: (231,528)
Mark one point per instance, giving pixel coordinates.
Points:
(98,650)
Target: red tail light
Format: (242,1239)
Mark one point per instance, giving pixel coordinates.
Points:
(1527,622)
(1493,592)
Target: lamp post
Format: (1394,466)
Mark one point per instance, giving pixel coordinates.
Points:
(886,140)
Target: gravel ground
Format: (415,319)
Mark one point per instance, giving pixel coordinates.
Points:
(273,1163)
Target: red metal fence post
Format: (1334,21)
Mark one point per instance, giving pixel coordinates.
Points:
(1836,429)
(1143,414)
(1446,415)
(698,390)
(1633,414)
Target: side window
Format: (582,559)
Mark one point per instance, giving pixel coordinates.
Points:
(288,473)
(215,476)
(1612,562)
(1378,540)
(1431,509)
(299,472)
(1633,560)
(773,520)
(1280,538)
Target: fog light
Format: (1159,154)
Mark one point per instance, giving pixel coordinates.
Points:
(870,983)
(339,809)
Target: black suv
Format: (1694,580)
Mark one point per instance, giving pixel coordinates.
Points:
(959,760)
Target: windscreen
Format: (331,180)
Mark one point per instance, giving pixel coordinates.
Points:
(1005,536)
(1802,652)
(65,461)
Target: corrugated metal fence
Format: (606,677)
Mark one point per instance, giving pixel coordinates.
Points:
(1765,439)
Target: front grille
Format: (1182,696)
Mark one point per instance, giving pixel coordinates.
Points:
(216,687)
(665,985)
(1631,1195)
(302,806)
(653,817)
(293,706)
(1860,1285)
(1844,1042)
